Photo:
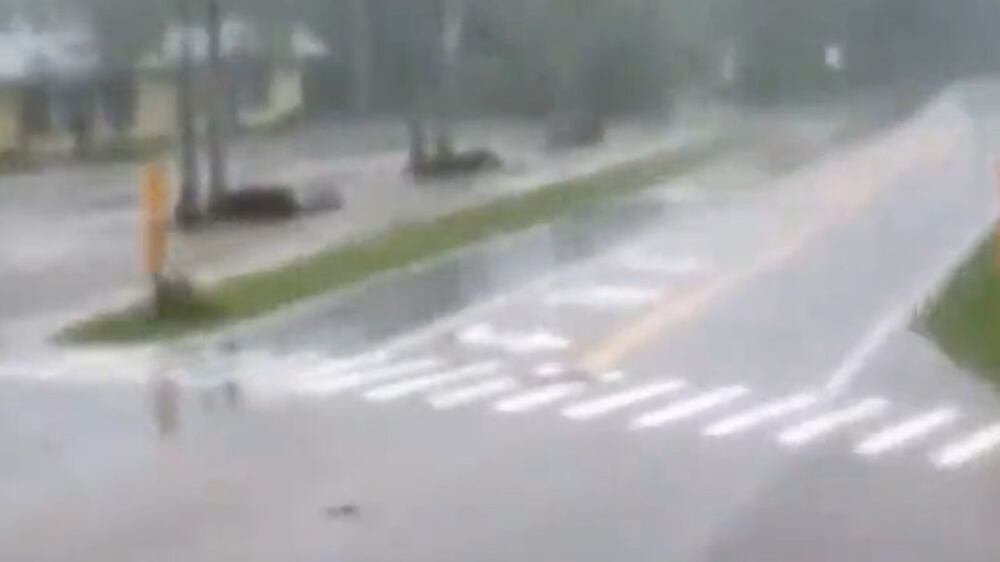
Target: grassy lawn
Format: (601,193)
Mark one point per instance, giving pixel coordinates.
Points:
(262,292)
(965,320)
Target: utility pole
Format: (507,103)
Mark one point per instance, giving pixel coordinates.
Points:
(186,212)
(450,15)
(418,32)
(361,56)
(218,116)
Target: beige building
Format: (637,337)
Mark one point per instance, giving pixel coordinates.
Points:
(56,100)
(50,92)
(265,82)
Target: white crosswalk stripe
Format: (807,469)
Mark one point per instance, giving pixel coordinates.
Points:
(394,391)
(967,449)
(355,379)
(469,394)
(596,407)
(331,367)
(900,434)
(380,378)
(536,398)
(690,407)
(817,427)
(486,336)
(551,370)
(755,416)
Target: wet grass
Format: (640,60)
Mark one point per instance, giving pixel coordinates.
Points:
(965,320)
(259,293)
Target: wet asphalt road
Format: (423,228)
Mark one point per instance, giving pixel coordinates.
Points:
(694,377)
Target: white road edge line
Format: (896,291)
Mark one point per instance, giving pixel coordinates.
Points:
(753,417)
(902,433)
(814,428)
(960,452)
(406,388)
(596,407)
(897,317)
(461,396)
(690,407)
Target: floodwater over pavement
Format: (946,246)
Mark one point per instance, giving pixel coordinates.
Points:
(695,375)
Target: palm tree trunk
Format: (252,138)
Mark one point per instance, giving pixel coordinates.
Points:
(362,57)
(218,149)
(187,204)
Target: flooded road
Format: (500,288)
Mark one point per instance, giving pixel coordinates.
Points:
(698,374)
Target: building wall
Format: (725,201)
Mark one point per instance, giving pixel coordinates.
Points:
(285,98)
(286,92)
(155,112)
(155,115)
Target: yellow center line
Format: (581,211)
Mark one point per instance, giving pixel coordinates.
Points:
(675,307)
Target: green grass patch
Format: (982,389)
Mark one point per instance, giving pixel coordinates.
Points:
(965,320)
(258,293)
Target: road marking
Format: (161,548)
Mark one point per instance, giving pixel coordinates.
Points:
(756,416)
(673,308)
(452,322)
(900,434)
(550,370)
(406,388)
(608,404)
(814,428)
(608,297)
(518,343)
(643,262)
(690,407)
(269,367)
(610,376)
(536,398)
(340,365)
(676,308)
(966,450)
(899,315)
(354,380)
(468,394)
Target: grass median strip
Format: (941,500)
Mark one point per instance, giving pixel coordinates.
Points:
(258,293)
(965,319)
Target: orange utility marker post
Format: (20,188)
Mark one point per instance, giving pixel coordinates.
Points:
(155,222)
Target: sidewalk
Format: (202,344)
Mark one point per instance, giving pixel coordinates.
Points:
(379,195)
(68,236)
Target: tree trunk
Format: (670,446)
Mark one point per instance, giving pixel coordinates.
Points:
(574,119)
(362,57)
(218,114)
(187,203)
(449,44)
